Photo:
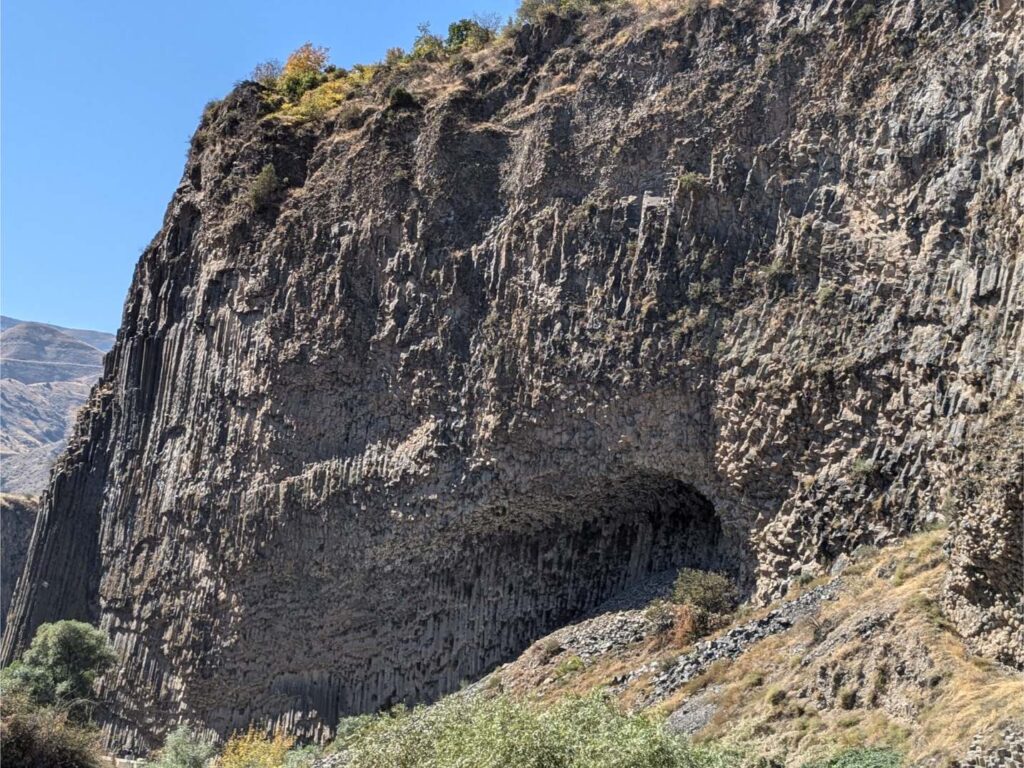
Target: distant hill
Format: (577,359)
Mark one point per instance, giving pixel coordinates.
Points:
(46,373)
(34,352)
(102,340)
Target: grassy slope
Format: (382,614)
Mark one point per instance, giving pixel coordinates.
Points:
(877,667)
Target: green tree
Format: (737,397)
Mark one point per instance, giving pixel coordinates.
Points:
(467,34)
(60,665)
(303,71)
(706,590)
(183,748)
(264,188)
(427,46)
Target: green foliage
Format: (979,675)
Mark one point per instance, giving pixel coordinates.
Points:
(691,182)
(825,294)
(349,731)
(256,749)
(264,187)
(467,35)
(661,614)
(60,665)
(395,57)
(577,733)
(860,758)
(428,46)
(301,757)
(568,666)
(44,737)
(705,590)
(184,749)
(862,469)
(861,16)
(294,86)
(534,11)
(399,98)
(304,70)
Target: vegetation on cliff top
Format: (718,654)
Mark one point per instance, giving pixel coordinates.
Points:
(308,87)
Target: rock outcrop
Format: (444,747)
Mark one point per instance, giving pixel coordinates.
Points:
(730,286)
(17,517)
(984,594)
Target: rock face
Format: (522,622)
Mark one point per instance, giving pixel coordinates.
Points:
(17,516)
(984,594)
(732,286)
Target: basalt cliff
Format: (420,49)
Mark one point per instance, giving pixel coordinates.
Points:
(734,285)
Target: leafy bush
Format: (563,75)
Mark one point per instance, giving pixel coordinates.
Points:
(860,758)
(661,614)
(861,17)
(264,187)
(349,730)
(862,469)
(303,71)
(691,182)
(184,749)
(533,11)
(692,623)
(44,737)
(332,92)
(255,749)
(60,665)
(706,590)
(427,46)
(301,757)
(577,733)
(394,57)
(468,35)
(306,59)
(569,666)
(399,98)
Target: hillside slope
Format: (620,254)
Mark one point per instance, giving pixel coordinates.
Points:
(861,659)
(47,373)
(34,352)
(730,285)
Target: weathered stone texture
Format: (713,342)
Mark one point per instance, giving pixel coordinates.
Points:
(17,517)
(730,287)
(984,594)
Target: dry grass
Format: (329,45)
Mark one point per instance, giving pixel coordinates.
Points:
(770,700)
(970,696)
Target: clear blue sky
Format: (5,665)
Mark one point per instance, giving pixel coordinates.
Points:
(98,102)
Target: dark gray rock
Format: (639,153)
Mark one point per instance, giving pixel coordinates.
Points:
(735,288)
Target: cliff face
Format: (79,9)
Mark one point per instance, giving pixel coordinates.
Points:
(17,517)
(732,286)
